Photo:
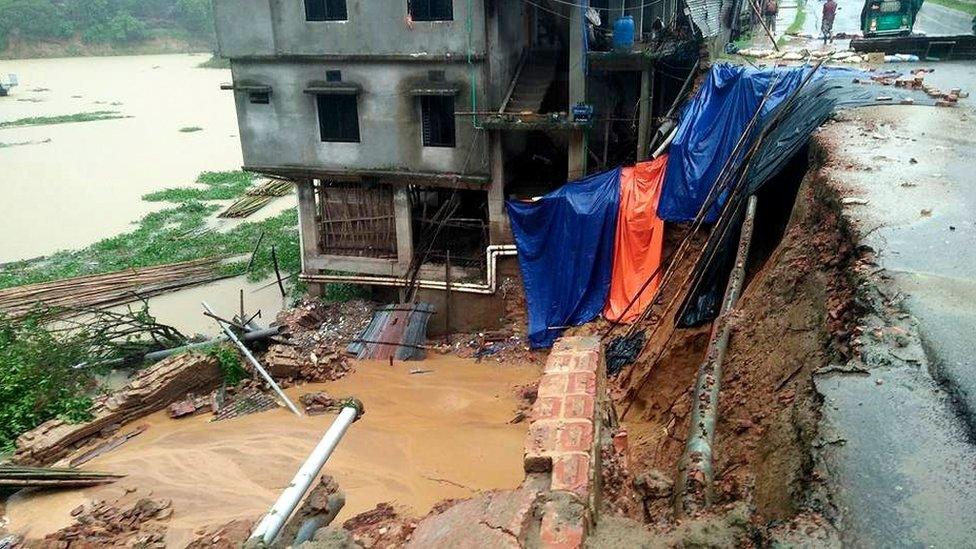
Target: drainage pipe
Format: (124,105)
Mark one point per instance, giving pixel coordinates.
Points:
(667,143)
(695,471)
(267,530)
(490,286)
(250,358)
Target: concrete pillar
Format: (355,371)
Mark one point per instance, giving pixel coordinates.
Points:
(577,92)
(404,226)
(308,229)
(646,110)
(499,231)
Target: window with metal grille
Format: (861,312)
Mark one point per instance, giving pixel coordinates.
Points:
(338,117)
(437,113)
(431,10)
(325,10)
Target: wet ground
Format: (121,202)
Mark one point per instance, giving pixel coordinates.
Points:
(898,441)
(425,437)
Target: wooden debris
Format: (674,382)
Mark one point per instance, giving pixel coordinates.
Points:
(152,390)
(106,290)
(107,446)
(256,198)
(37,477)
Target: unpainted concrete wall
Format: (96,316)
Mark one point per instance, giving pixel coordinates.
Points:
(264,28)
(286,131)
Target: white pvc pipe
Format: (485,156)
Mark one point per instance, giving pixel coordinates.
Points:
(254,362)
(269,527)
(666,143)
(490,286)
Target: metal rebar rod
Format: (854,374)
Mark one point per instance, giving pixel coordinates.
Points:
(254,362)
(695,471)
(267,530)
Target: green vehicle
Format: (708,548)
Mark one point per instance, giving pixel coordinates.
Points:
(889,17)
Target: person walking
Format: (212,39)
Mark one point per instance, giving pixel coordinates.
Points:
(827,22)
(770,7)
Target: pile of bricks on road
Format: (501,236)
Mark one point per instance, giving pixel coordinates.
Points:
(916,81)
(151,390)
(106,525)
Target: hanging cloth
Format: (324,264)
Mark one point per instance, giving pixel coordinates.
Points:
(565,251)
(639,239)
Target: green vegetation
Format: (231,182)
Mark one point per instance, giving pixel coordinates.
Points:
(191,129)
(47,369)
(801,17)
(960,5)
(215,62)
(63,119)
(37,378)
(217,186)
(114,22)
(230,363)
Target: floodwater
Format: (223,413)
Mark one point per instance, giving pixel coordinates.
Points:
(425,437)
(77,183)
(87,182)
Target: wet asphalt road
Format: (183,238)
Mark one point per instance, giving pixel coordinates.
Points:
(897,443)
(932,20)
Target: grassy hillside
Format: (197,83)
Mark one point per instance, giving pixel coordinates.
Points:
(76,27)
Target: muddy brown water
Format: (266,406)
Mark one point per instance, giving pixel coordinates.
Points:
(425,437)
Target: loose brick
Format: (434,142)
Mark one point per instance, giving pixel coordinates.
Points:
(578,407)
(571,472)
(541,440)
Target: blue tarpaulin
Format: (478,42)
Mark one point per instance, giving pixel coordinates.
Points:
(565,246)
(712,124)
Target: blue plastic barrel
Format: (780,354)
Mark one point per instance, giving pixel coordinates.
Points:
(623,34)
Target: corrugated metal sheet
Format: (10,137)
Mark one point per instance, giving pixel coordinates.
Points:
(397,331)
(707,16)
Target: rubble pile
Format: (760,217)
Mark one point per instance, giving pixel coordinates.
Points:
(500,346)
(316,335)
(103,525)
(249,397)
(151,390)
(380,527)
(228,536)
(320,403)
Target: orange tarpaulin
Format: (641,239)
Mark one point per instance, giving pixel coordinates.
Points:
(640,236)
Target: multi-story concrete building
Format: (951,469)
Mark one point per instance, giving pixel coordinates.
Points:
(407,123)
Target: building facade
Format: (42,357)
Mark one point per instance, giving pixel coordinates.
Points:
(407,123)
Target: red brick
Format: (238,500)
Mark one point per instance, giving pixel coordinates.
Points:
(541,440)
(589,361)
(580,383)
(559,532)
(553,385)
(571,472)
(576,436)
(547,408)
(560,363)
(578,406)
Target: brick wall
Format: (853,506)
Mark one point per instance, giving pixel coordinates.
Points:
(563,438)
